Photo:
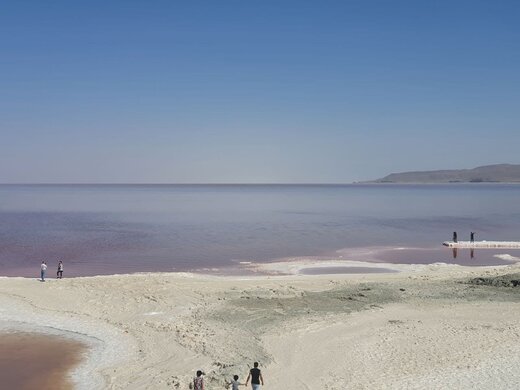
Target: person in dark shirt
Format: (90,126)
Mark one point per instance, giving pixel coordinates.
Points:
(472,237)
(59,274)
(256,377)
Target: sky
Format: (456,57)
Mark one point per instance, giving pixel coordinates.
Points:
(255,91)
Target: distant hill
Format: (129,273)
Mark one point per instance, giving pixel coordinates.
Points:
(499,173)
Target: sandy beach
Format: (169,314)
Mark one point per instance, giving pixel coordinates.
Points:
(424,327)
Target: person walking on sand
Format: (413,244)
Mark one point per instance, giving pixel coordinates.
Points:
(198,381)
(256,377)
(59,273)
(234,383)
(472,237)
(43,268)
(454,236)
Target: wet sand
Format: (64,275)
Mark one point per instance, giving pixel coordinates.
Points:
(463,256)
(37,361)
(344,270)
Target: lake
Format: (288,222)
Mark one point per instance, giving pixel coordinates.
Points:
(106,229)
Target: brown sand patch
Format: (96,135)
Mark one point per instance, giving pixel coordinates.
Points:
(37,361)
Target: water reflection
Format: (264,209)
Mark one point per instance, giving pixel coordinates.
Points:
(455,252)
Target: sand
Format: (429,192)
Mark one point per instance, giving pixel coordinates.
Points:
(432,326)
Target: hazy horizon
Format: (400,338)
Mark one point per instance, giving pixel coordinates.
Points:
(232,92)
(365,181)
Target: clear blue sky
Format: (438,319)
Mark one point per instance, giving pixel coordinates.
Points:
(255,91)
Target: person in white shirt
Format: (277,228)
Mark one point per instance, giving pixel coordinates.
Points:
(43,268)
(234,383)
(42,272)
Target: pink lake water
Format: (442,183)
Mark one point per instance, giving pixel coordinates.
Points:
(106,229)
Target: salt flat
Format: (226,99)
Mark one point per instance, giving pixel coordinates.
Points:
(434,327)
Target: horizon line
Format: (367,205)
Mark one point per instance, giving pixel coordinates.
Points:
(181,183)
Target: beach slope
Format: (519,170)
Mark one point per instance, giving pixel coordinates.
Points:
(433,327)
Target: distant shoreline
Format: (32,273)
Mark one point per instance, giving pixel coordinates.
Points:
(497,173)
(355,183)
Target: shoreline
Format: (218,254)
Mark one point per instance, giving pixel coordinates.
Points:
(153,330)
(102,348)
(390,257)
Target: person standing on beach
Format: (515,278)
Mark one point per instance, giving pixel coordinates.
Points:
(454,236)
(43,268)
(198,381)
(256,377)
(472,237)
(59,274)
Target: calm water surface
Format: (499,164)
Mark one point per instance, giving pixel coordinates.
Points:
(102,229)
(30,361)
